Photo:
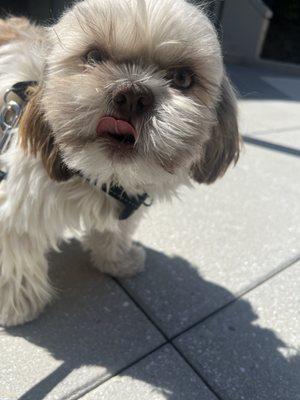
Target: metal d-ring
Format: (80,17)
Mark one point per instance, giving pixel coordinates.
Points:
(10,115)
(148,202)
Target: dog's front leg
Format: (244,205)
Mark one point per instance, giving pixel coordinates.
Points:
(24,286)
(114,253)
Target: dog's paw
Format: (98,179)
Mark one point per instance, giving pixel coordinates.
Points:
(18,307)
(131,264)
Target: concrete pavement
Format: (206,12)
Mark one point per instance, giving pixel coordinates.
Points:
(215,315)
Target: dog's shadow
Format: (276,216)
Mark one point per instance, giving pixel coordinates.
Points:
(90,324)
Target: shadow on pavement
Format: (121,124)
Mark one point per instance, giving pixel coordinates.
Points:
(272,146)
(251,84)
(72,334)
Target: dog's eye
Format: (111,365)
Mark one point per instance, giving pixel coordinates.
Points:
(94,57)
(182,78)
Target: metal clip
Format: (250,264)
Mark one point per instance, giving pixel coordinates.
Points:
(10,115)
(148,202)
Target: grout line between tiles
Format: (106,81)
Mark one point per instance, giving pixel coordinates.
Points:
(271,146)
(204,380)
(141,308)
(276,271)
(166,341)
(94,386)
(169,341)
(282,267)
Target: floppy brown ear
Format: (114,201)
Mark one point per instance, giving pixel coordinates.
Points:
(223,147)
(36,137)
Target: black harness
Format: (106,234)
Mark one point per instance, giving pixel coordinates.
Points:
(10,115)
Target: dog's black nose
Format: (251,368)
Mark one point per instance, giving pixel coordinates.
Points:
(133,99)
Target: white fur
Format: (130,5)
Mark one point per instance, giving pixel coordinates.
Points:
(35,211)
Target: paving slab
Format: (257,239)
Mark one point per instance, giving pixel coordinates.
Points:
(162,375)
(251,349)
(290,86)
(268,105)
(90,332)
(218,240)
(254,83)
(274,121)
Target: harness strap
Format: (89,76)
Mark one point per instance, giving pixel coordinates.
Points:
(130,203)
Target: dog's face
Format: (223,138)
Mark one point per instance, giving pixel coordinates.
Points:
(134,91)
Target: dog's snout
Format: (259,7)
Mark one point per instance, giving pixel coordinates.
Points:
(134,99)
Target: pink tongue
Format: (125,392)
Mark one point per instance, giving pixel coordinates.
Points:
(115,126)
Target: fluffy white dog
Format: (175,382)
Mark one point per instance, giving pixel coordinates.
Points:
(132,97)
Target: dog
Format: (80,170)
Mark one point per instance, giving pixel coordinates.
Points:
(128,95)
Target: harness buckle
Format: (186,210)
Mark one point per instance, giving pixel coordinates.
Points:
(10,115)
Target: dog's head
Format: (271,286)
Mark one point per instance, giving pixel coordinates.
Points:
(135,92)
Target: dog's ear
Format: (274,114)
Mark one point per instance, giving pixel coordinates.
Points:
(224,144)
(36,137)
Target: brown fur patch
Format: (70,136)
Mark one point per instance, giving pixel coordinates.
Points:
(11,29)
(36,138)
(224,145)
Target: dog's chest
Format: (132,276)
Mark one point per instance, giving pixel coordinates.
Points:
(90,208)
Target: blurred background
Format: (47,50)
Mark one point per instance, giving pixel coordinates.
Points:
(267,30)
